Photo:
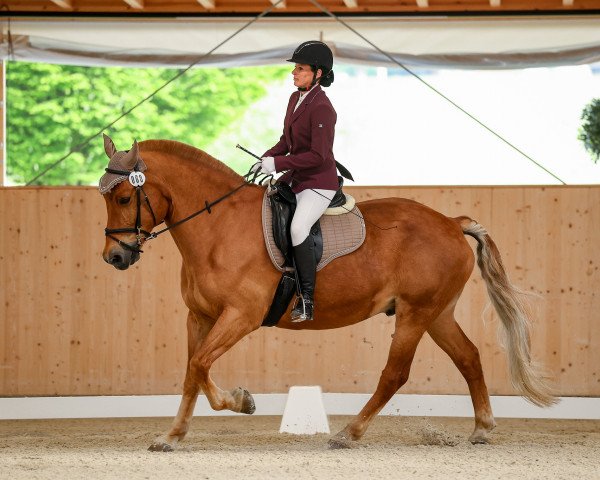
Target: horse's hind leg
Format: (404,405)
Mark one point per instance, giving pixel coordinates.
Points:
(408,332)
(197,327)
(450,337)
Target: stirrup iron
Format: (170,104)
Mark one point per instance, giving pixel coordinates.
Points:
(302,311)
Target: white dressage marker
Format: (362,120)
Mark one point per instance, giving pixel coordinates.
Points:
(304,412)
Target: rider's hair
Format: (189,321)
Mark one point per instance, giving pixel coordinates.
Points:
(325,80)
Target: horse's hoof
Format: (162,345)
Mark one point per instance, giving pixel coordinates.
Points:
(244,403)
(479,438)
(480,435)
(337,443)
(248,405)
(160,447)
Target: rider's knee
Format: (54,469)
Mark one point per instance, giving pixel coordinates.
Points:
(298,233)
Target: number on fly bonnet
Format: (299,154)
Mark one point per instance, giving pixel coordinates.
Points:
(137,179)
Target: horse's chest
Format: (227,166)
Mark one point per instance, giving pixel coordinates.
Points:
(199,293)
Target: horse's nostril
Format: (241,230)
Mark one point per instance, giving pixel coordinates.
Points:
(116,259)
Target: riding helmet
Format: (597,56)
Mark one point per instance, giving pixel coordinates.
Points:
(313,53)
(317,55)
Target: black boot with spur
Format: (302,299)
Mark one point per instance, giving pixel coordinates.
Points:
(306,268)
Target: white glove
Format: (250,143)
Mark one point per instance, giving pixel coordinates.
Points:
(268,165)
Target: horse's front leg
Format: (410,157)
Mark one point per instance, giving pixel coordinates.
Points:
(197,329)
(206,343)
(231,327)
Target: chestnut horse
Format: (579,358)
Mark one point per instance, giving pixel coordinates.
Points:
(417,270)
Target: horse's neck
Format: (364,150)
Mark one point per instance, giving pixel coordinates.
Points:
(188,180)
(190,184)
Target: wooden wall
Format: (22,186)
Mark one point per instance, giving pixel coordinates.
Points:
(72,325)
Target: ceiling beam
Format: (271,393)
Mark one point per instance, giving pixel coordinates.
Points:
(208,4)
(138,4)
(63,3)
(243,7)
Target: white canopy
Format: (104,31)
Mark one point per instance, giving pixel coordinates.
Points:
(443,43)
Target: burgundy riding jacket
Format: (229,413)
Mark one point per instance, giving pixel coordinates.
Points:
(306,147)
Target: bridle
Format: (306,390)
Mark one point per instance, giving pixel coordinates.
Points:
(143,235)
(140,234)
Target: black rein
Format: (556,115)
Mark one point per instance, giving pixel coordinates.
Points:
(143,235)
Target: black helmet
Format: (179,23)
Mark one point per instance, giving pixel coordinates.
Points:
(313,53)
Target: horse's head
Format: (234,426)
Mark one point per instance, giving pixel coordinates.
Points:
(134,205)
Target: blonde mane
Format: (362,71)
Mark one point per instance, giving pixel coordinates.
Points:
(186,152)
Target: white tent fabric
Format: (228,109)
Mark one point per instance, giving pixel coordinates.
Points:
(432,43)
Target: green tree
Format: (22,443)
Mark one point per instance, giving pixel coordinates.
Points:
(589,133)
(52,108)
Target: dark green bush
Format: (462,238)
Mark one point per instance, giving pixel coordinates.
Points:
(589,133)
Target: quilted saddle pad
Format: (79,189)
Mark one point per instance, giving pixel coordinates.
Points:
(342,234)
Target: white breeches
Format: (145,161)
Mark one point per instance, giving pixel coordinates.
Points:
(309,208)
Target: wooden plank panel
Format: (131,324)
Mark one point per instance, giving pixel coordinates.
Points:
(72,325)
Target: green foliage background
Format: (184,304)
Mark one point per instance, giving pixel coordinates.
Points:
(53,108)
(589,132)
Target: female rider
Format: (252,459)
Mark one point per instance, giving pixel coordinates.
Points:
(305,151)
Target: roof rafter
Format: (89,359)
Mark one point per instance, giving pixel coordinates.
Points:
(82,8)
(208,4)
(137,4)
(63,3)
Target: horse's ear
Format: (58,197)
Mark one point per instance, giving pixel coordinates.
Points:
(109,146)
(132,156)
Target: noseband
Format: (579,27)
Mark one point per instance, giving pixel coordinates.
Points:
(140,235)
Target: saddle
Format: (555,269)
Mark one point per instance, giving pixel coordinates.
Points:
(341,230)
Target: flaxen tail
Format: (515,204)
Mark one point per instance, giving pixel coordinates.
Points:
(526,377)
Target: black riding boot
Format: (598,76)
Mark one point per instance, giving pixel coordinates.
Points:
(306,267)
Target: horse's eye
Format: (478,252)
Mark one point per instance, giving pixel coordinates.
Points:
(124,200)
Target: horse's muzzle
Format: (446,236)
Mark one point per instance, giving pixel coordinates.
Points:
(121,259)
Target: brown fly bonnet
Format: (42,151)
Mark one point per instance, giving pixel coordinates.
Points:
(126,160)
